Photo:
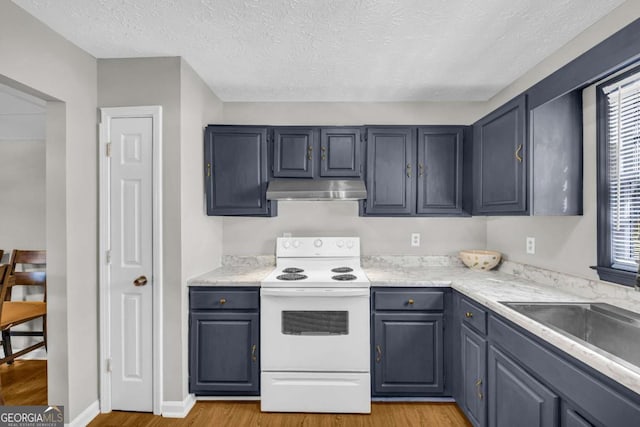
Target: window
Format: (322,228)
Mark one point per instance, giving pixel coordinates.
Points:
(619,178)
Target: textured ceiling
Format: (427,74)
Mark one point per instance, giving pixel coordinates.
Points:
(332,50)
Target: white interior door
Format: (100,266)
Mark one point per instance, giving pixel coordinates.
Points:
(131,266)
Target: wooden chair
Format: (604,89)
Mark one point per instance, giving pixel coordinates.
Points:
(13,313)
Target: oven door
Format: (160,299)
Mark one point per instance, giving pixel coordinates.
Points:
(314,329)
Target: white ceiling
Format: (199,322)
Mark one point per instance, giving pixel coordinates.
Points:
(332,50)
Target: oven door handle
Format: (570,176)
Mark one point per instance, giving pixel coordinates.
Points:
(314,292)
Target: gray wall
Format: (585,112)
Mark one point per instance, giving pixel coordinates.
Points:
(199,106)
(22,191)
(187,104)
(244,236)
(41,62)
(566,244)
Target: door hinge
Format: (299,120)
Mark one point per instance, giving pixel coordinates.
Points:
(108,257)
(108,149)
(109,365)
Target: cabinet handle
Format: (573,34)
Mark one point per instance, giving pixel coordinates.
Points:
(324,153)
(468,315)
(309,150)
(253,353)
(420,169)
(518,158)
(378,354)
(479,388)
(408,170)
(410,302)
(223,301)
(208,169)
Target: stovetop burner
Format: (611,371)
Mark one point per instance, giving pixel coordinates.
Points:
(292,270)
(343,277)
(291,276)
(342,270)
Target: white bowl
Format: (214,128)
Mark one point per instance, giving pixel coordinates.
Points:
(480,259)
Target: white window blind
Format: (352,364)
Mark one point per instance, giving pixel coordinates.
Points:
(624,171)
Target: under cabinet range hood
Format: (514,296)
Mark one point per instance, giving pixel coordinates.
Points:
(316,189)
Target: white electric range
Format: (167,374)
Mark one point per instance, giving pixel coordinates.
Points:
(314,328)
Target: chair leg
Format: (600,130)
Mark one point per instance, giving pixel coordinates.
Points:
(6,344)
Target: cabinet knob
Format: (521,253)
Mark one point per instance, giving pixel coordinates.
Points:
(468,315)
(223,301)
(410,302)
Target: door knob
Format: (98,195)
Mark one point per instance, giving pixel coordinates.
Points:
(140,281)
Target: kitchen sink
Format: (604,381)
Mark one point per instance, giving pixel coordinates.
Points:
(605,328)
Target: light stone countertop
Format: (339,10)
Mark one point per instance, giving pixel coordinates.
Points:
(487,288)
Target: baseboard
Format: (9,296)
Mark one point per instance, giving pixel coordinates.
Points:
(414,399)
(178,409)
(85,417)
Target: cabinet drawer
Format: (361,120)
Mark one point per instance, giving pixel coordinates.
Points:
(418,300)
(473,316)
(224,299)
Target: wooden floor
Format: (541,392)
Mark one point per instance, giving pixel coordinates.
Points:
(24,382)
(240,414)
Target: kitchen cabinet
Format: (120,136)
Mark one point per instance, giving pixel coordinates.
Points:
(407,342)
(474,361)
(499,153)
(414,172)
(236,171)
(529,161)
(390,165)
(517,398)
(440,172)
(293,152)
(224,335)
(340,149)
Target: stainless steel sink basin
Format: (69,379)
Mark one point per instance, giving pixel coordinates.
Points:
(603,327)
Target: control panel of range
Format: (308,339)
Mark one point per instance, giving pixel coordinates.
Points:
(318,247)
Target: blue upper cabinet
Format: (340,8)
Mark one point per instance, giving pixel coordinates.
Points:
(293,152)
(390,171)
(340,149)
(236,170)
(440,170)
(500,160)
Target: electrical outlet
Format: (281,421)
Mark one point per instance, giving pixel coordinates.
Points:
(531,245)
(415,239)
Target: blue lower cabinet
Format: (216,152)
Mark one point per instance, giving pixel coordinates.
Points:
(572,418)
(473,396)
(408,354)
(515,397)
(224,349)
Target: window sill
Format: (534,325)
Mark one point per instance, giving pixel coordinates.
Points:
(620,277)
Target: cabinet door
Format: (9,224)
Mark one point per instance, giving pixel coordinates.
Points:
(390,171)
(499,160)
(407,354)
(340,152)
(515,397)
(224,353)
(236,171)
(440,170)
(474,362)
(293,152)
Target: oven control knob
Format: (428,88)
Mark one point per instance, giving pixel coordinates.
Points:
(340,243)
(317,243)
(349,244)
(286,244)
(296,243)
